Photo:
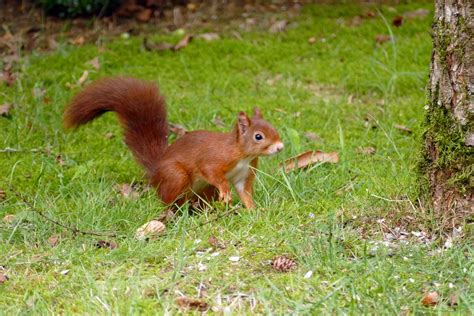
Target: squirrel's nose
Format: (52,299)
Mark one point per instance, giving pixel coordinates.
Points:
(279,147)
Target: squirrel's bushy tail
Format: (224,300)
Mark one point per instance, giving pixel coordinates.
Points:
(140,108)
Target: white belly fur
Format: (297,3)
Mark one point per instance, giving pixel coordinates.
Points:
(236,176)
(239,173)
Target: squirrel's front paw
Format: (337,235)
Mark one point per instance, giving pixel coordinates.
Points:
(225,197)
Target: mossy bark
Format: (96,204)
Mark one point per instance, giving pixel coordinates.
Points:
(448,155)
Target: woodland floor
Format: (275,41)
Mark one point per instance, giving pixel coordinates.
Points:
(328,78)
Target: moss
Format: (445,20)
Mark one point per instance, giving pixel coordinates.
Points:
(448,137)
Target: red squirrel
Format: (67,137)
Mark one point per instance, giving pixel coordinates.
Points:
(201,163)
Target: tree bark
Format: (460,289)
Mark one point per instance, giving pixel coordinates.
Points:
(448,155)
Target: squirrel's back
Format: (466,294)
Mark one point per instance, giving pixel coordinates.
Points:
(140,108)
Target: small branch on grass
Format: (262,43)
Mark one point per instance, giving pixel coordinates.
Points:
(75,230)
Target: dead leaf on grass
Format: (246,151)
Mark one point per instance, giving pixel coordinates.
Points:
(183,42)
(52,43)
(308,158)
(3,278)
(312,40)
(8,77)
(60,160)
(214,242)
(106,244)
(53,240)
(150,230)
(78,41)
(430,299)
(177,129)
(278,26)
(192,304)
(9,218)
(162,46)
(109,135)
(312,136)
(128,191)
(3,195)
(366,150)
(83,78)
(382,38)
(403,128)
(218,122)
(5,109)
(95,63)
(209,37)
(397,21)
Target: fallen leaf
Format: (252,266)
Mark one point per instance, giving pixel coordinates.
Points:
(109,135)
(397,21)
(402,128)
(308,158)
(94,63)
(8,77)
(78,41)
(453,300)
(193,304)
(83,78)
(382,38)
(39,92)
(52,44)
(3,278)
(183,42)
(431,298)
(127,191)
(106,244)
(312,136)
(209,37)
(3,195)
(214,242)
(312,40)
(162,46)
(144,15)
(366,150)
(59,160)
(283,263)
(419,13)
(177,129)
(5,109)
(9,218)
(278,26)
(218,121)
(355,21)
(370,14)
(53,240)
(151,230)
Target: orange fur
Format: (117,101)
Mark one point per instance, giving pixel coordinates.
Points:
(200,162)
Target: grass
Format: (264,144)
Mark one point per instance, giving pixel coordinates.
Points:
(347,89)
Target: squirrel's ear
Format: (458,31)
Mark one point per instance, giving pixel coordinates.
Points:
(243,122)
(257,113)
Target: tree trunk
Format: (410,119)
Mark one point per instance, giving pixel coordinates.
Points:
(448,157)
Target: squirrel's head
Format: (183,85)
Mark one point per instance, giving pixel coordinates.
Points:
(256,136)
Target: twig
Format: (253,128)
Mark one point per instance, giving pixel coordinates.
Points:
(73,229)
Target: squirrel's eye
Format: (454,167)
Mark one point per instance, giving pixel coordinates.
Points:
(258,137)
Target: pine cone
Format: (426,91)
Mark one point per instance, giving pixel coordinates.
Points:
(283,263)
